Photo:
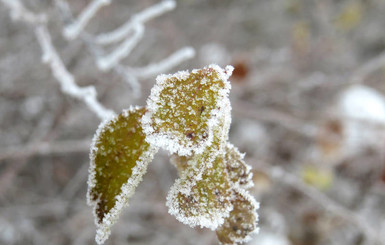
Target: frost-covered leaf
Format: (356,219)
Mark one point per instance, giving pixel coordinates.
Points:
(239,172)
(202,194)
(218,145)
(184,108)
(119,158)
(243,219)
(201,198)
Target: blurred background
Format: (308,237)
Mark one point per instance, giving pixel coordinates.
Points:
(308,110)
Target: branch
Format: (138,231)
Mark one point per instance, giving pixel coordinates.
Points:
(168,63)
(139,18)
(135,24)
(50,56)
(107,62)
(66,80)
(19,13)
(73,30)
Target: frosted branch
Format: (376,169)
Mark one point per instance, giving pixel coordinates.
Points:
(73,30)
(123,50)
(66,80)
(19,12)
(148,14)
(168,63)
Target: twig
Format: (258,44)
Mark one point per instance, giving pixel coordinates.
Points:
(19,13)
(66,80)
(164,65)
(140,18)
(73,30)
(111,61)
(105,63)
(50,56)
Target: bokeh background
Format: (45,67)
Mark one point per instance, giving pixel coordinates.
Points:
(308,110)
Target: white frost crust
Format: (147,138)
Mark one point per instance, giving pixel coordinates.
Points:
(107,62)
(73,30)
(173,60)
(249,183)
(127,190)
(245,194)
(211,220)
(67,82)
(188,179)
(142,17)
(18,11)
(168,140)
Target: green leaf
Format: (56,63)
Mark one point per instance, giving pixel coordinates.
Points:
(217,147)
(202,194)
(243,219)
(119,158)
(184,109)
(201,198)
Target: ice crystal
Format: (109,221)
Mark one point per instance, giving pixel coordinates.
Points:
(184,108)
(243,219)
(119,158)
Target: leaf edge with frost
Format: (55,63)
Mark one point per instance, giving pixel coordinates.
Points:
(168,141)
(249,198)
(127,189)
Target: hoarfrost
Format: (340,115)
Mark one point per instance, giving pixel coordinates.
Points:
(239,172)
(242,221)
(119,158)
(121,32)
(202,194)
(201,198)
(73,30)
(166,64)
(194,102)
